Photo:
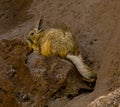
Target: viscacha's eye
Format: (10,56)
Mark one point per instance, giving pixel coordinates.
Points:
(32,33)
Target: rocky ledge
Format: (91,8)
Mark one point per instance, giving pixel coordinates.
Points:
(28,79)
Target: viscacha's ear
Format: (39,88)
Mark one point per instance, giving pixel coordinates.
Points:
(40,25)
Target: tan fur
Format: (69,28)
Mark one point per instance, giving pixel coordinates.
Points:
(58,42)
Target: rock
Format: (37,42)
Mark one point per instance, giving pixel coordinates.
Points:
(110,100)
(55,77)
(29,79)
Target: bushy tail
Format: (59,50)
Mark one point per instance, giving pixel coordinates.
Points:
(83,69)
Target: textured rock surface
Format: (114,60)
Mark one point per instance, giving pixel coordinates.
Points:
(110,100)
(28,79)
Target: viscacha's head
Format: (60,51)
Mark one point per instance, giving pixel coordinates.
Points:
(34,35)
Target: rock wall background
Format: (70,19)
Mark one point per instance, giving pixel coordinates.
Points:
(95,25)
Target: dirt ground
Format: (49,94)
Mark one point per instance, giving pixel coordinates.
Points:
(95,25)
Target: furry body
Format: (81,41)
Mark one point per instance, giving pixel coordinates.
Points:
(54,42)
(58,42)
